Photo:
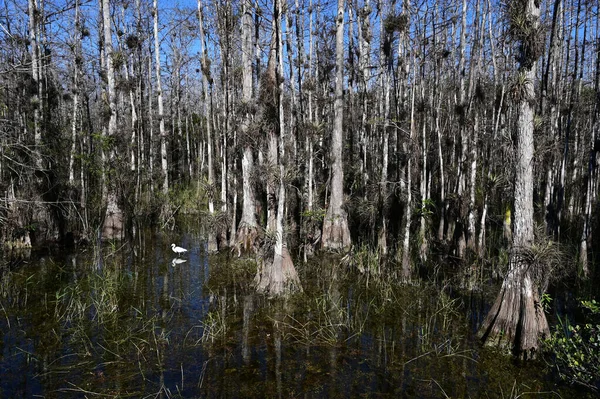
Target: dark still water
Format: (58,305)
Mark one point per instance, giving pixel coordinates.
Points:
(135,321)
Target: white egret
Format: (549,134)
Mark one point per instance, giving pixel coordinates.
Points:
(178,250)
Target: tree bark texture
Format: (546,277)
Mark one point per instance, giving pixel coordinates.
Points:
(517,318)
(248,228)
(336,234)
(113,218)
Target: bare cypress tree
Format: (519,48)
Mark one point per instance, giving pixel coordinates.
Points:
(406,261)
(161,113)
(474,114)
(37,99)
(387,64)
(517,318)
(248,226)
(276,274)
(113,219)
(364,53)
(225,28)
(336,233)
(207,91)
(77,54)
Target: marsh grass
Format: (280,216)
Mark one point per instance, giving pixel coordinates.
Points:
(86,308)
(215,323)
(323,321)
(113,326)
(345,303)
(522,391)
(366,260)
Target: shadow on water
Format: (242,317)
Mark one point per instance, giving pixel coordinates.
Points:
(140,321)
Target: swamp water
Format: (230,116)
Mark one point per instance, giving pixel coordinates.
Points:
(135,321)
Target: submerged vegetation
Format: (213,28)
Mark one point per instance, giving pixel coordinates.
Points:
(133,323)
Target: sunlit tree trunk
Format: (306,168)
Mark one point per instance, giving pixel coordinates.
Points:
(474,114)
(161,116)
(248,226)
(113,218)
(574,121)
(37,97)
(406,258)
(311,233)
(586,229)
(336,233)
(549,108)
(207,91)
(224,15)
(277,276)
(437,102)
(517,319)
(462,94)
(364,51)
(386,73)
(151,154)
(442,224)
(77,53)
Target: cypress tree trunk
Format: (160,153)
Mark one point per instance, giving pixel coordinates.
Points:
(37,98)
(76,64)
(276,274)
(113,218)
(161,117)
(206,78)
(336,233)
(364,49)
(248,226)
(516,319)
(406,258)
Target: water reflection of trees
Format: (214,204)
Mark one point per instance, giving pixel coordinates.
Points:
(140,327)
(79,328)
(339,329)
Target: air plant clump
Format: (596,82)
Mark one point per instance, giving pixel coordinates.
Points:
(267,244)
(246,108)
(481,92)
(209,189)
(205,66)
(268,97)
(526,31)
(519,87)
(103,76)
(365,11)
(118,59)
(132,42)
(396,23)
(546,260)
(217,221)
(461,111)
(105,111)
(126,85)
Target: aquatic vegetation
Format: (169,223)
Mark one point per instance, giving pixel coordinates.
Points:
(123,322)
(574,349)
